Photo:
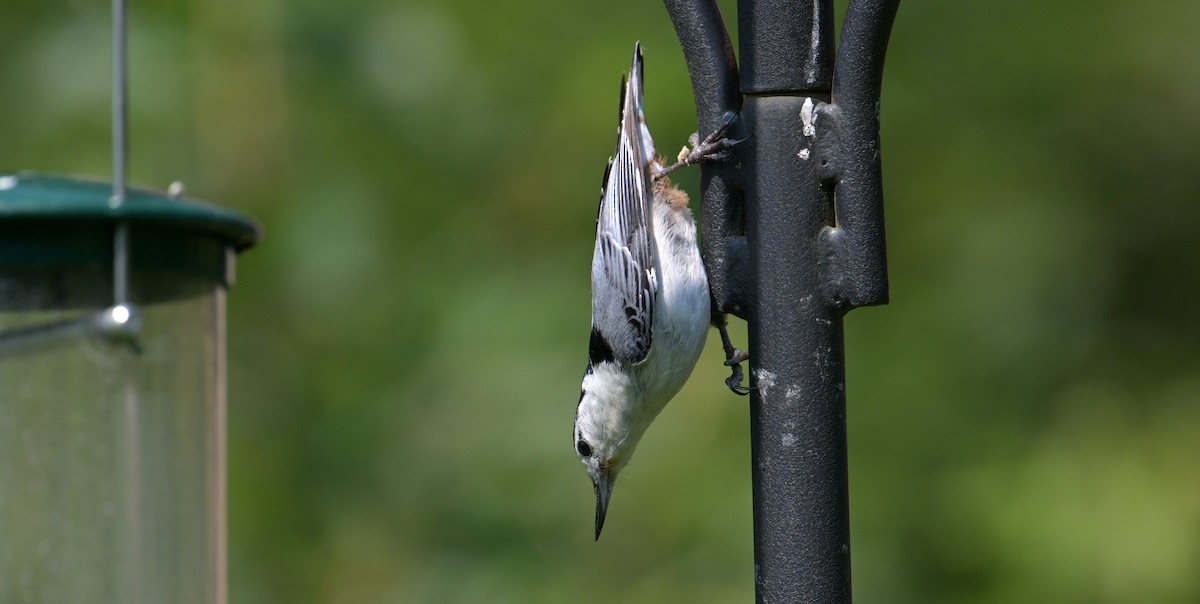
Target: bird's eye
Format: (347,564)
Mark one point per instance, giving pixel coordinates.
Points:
(585,450)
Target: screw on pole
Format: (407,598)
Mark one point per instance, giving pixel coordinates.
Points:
(793,239)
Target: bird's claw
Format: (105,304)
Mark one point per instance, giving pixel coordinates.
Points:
(734,381)
(714,147)
(733,359)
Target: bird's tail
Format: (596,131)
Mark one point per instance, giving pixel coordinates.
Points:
(634,109)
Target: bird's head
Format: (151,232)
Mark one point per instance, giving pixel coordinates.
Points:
(603,473)
(604,439)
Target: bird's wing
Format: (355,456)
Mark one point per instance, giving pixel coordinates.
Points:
(624,278)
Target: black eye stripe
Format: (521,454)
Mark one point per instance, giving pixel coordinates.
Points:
(583,448)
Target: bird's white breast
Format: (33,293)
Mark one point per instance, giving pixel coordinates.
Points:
(681,311)
(621,401)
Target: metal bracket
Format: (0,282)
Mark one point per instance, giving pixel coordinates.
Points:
(846,142)
(847,147)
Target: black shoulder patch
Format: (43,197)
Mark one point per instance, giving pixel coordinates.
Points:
(599,350)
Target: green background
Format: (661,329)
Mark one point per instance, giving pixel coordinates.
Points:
(406,344)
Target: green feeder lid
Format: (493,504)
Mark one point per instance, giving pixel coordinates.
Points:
(56,242)
(40,197)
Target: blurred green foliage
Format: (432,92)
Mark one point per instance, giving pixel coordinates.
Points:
(406,343)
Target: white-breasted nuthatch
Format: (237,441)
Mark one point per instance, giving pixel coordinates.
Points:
(650,298)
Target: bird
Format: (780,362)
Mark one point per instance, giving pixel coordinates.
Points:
(650,296)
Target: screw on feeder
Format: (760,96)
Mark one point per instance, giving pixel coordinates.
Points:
(120,324)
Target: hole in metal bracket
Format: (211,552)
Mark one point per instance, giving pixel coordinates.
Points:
(829,190)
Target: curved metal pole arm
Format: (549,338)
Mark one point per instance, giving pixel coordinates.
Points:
(858,71)
(709,56)
(714,72)
(847,139)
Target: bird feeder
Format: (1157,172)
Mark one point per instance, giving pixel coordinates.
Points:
(112,383)
(112,403)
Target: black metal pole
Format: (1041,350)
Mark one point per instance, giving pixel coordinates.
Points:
(798,403)
(799,211)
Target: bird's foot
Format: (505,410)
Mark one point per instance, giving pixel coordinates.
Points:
(714,147)
(734,381)
(734,357)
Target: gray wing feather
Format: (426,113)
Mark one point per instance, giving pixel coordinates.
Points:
(624,280)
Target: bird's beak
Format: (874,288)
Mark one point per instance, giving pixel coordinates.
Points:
(603,492)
